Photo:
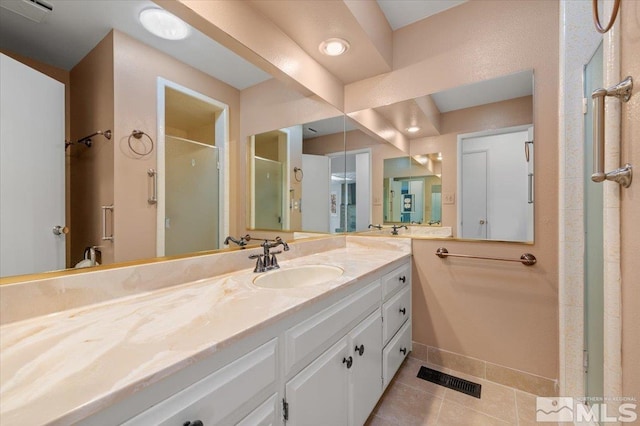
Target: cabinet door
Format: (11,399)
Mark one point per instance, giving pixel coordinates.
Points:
(365,386)
(318,394)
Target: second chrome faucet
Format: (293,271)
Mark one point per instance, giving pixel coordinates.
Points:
(267,260)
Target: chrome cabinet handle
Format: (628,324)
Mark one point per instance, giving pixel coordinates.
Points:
(482,222)
(153,199)
(106,237)
(530,200)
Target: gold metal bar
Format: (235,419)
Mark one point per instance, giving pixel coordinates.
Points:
(526,259)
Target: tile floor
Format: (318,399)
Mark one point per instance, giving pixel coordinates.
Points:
(412,401)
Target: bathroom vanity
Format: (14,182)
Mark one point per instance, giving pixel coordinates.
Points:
(221,350)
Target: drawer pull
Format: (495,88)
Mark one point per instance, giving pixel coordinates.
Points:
(403,279)
(403,311)
(360,350)
(193,423)
(403,350)
(348,361)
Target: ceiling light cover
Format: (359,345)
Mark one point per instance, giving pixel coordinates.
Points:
(163,24)
(413,129)
(334,46)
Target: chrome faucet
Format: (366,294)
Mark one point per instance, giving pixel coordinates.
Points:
(267,260)
(395,229)
(241,242)
(375,226)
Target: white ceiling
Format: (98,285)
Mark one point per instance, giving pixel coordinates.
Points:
(74,27)
(400,13)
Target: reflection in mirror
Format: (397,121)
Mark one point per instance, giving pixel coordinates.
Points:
(413,189)
(433,124)
(297,178)
(110,83)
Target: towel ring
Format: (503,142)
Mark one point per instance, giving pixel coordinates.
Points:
(295,174)
(138,135)
(596,16)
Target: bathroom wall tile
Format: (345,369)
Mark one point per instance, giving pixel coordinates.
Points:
(420,351)
(457,362)
(574,225)
(454,414)
(574,198)
(521,380)
(496,400)
(404,405)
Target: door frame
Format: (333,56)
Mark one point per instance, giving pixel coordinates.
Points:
(221,135)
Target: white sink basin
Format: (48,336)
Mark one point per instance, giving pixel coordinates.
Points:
(298,276)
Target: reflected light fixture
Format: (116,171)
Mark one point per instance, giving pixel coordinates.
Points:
(413,129)
(163,24)
(334,46)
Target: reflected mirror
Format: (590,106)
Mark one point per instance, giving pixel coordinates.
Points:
(297,178)
(483,135)
(412,190)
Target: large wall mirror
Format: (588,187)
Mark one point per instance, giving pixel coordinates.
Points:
(116,187)
(469,166)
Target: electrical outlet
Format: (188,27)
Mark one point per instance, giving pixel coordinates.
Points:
(448,198)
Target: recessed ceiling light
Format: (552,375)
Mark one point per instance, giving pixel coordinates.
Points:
(163,24)
(413,129)
(334,46)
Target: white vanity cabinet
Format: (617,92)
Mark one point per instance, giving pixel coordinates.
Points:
(396,328)
(342,385)
(326,364)
(221,396)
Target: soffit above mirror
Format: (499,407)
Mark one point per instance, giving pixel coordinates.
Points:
(80,25)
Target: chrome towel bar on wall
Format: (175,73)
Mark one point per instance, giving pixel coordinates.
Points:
(526,259)
(622,175)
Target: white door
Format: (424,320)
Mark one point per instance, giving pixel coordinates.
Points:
(315,193)
(318,395)
(366,374)
(32,200)
(473,222)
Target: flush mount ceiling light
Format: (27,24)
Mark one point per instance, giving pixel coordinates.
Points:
(163,24)
(413,129)
(334,46)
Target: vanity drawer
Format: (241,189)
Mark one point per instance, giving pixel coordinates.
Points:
(395,352)
(219,395)
(395,312)
(395,280)
(305,341)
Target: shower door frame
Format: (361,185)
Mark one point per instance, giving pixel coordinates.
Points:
(221,135)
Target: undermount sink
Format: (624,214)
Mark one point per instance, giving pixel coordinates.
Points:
(298,276)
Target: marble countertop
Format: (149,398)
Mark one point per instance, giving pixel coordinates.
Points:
(68,365)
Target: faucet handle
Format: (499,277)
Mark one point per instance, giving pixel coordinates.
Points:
(276,252)
(255,256)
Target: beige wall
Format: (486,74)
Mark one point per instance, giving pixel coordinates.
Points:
(630,204)
(91,177)
(499,312)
